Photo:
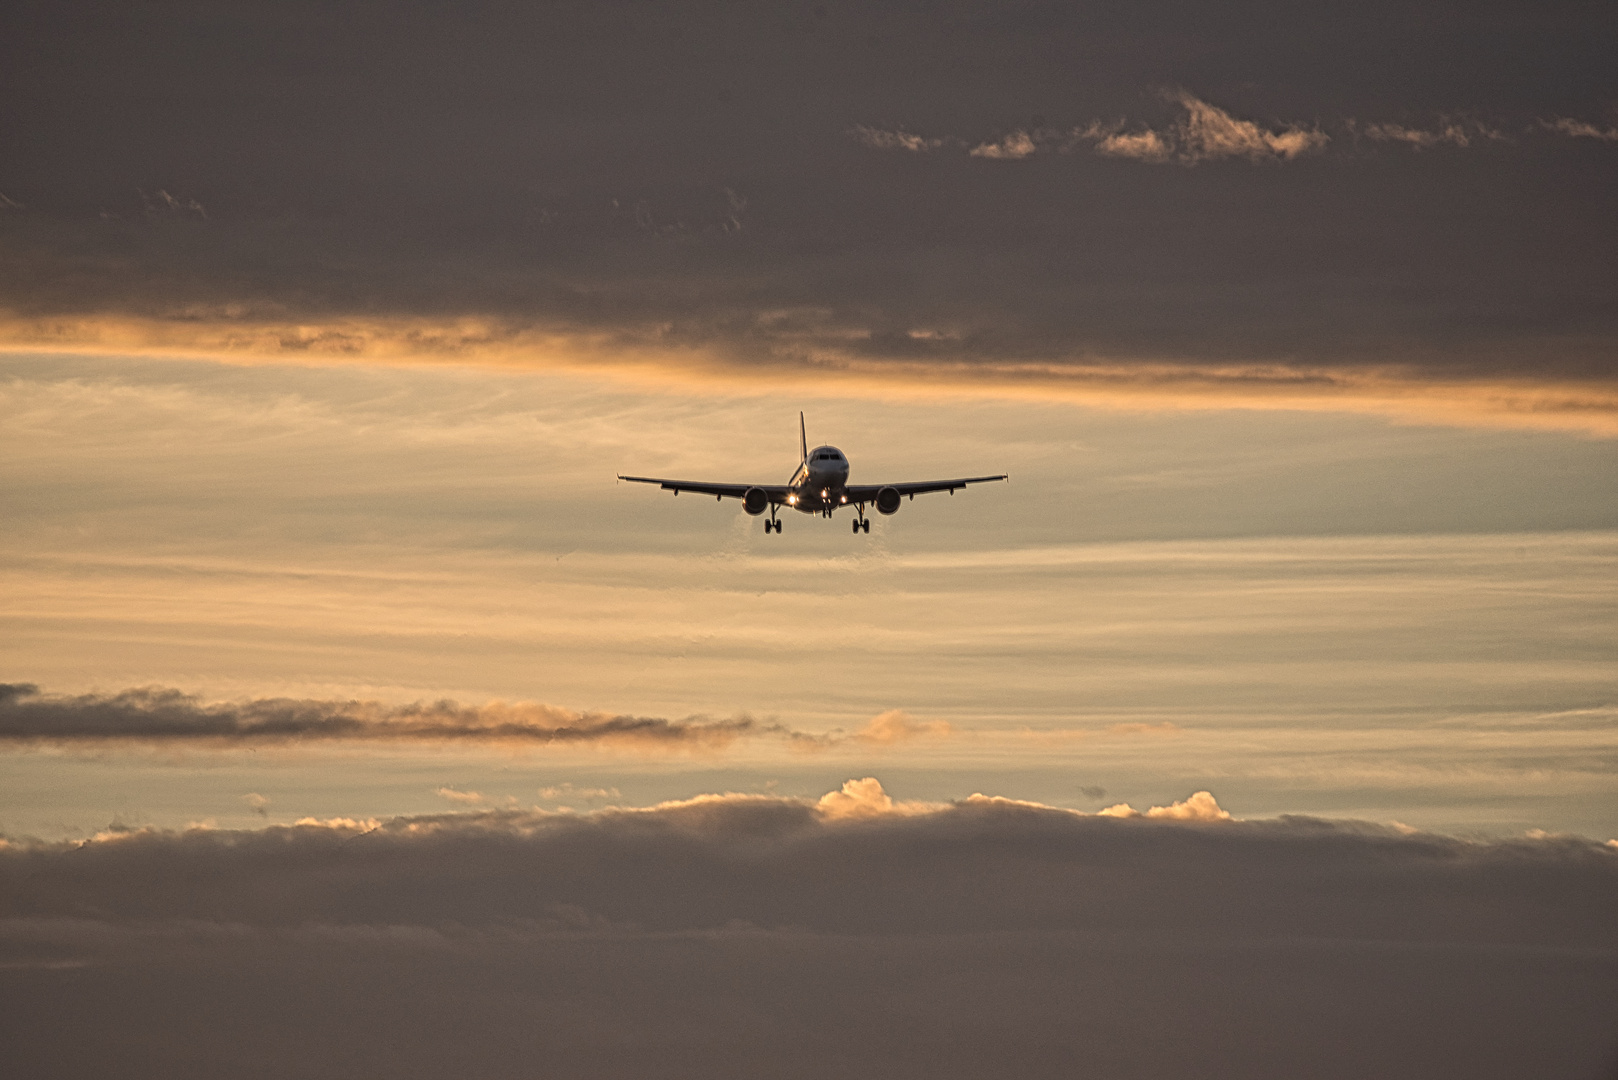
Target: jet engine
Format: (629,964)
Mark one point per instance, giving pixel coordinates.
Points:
(754,501)
(887,501)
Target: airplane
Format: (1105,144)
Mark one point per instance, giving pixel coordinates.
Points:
(819,486)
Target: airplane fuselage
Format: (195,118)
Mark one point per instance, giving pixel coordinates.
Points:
(820,483)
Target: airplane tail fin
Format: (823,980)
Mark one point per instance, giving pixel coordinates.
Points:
(803,438)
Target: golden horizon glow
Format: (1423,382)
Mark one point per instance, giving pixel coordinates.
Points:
(1135,384)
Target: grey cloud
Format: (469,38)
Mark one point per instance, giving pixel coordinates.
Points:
(733,935)
(161,202)
(563,169)
(161,715)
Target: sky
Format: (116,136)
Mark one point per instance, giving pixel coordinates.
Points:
(1263,723)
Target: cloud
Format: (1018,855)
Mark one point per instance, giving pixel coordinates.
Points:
(161,202)
(468,797)
(896,726)
(1208,133)
(1146,145)
(551,190)
(158,715)
(866,799)
(1580,129)
(1460,133)
(1201,806)
(733,935)
(1014,147)
(896,139)
(258,803)
(1204,133)
(594,861)
(556,792)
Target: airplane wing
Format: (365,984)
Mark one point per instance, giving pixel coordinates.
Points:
(867,492)
(777,493)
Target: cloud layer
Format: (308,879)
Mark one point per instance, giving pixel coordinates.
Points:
(158,716)
(732,934)
(615,188)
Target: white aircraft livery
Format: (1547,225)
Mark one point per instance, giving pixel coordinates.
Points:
(819,486)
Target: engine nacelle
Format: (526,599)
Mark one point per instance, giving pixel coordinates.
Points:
(887,501)
(755,502)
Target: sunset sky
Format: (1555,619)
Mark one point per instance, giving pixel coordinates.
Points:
(1288,655)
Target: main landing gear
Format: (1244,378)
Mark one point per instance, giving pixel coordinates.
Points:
(771,524)
(861,524)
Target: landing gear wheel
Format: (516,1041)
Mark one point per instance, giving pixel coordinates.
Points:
(856,527)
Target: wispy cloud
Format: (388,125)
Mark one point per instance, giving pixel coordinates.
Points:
(1461,132)
(1206,132)
(470,798)
(160,202)
(1203,132)
(896,725)
(1580,129)
(556,792)
(894,139)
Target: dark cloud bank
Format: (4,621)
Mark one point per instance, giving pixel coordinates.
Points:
(693,176)
(743,936)
(158,715)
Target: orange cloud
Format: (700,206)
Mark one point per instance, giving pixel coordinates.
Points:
(1201,806)
(896,726)
(866,799)
(1403,391)
(1204,133)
